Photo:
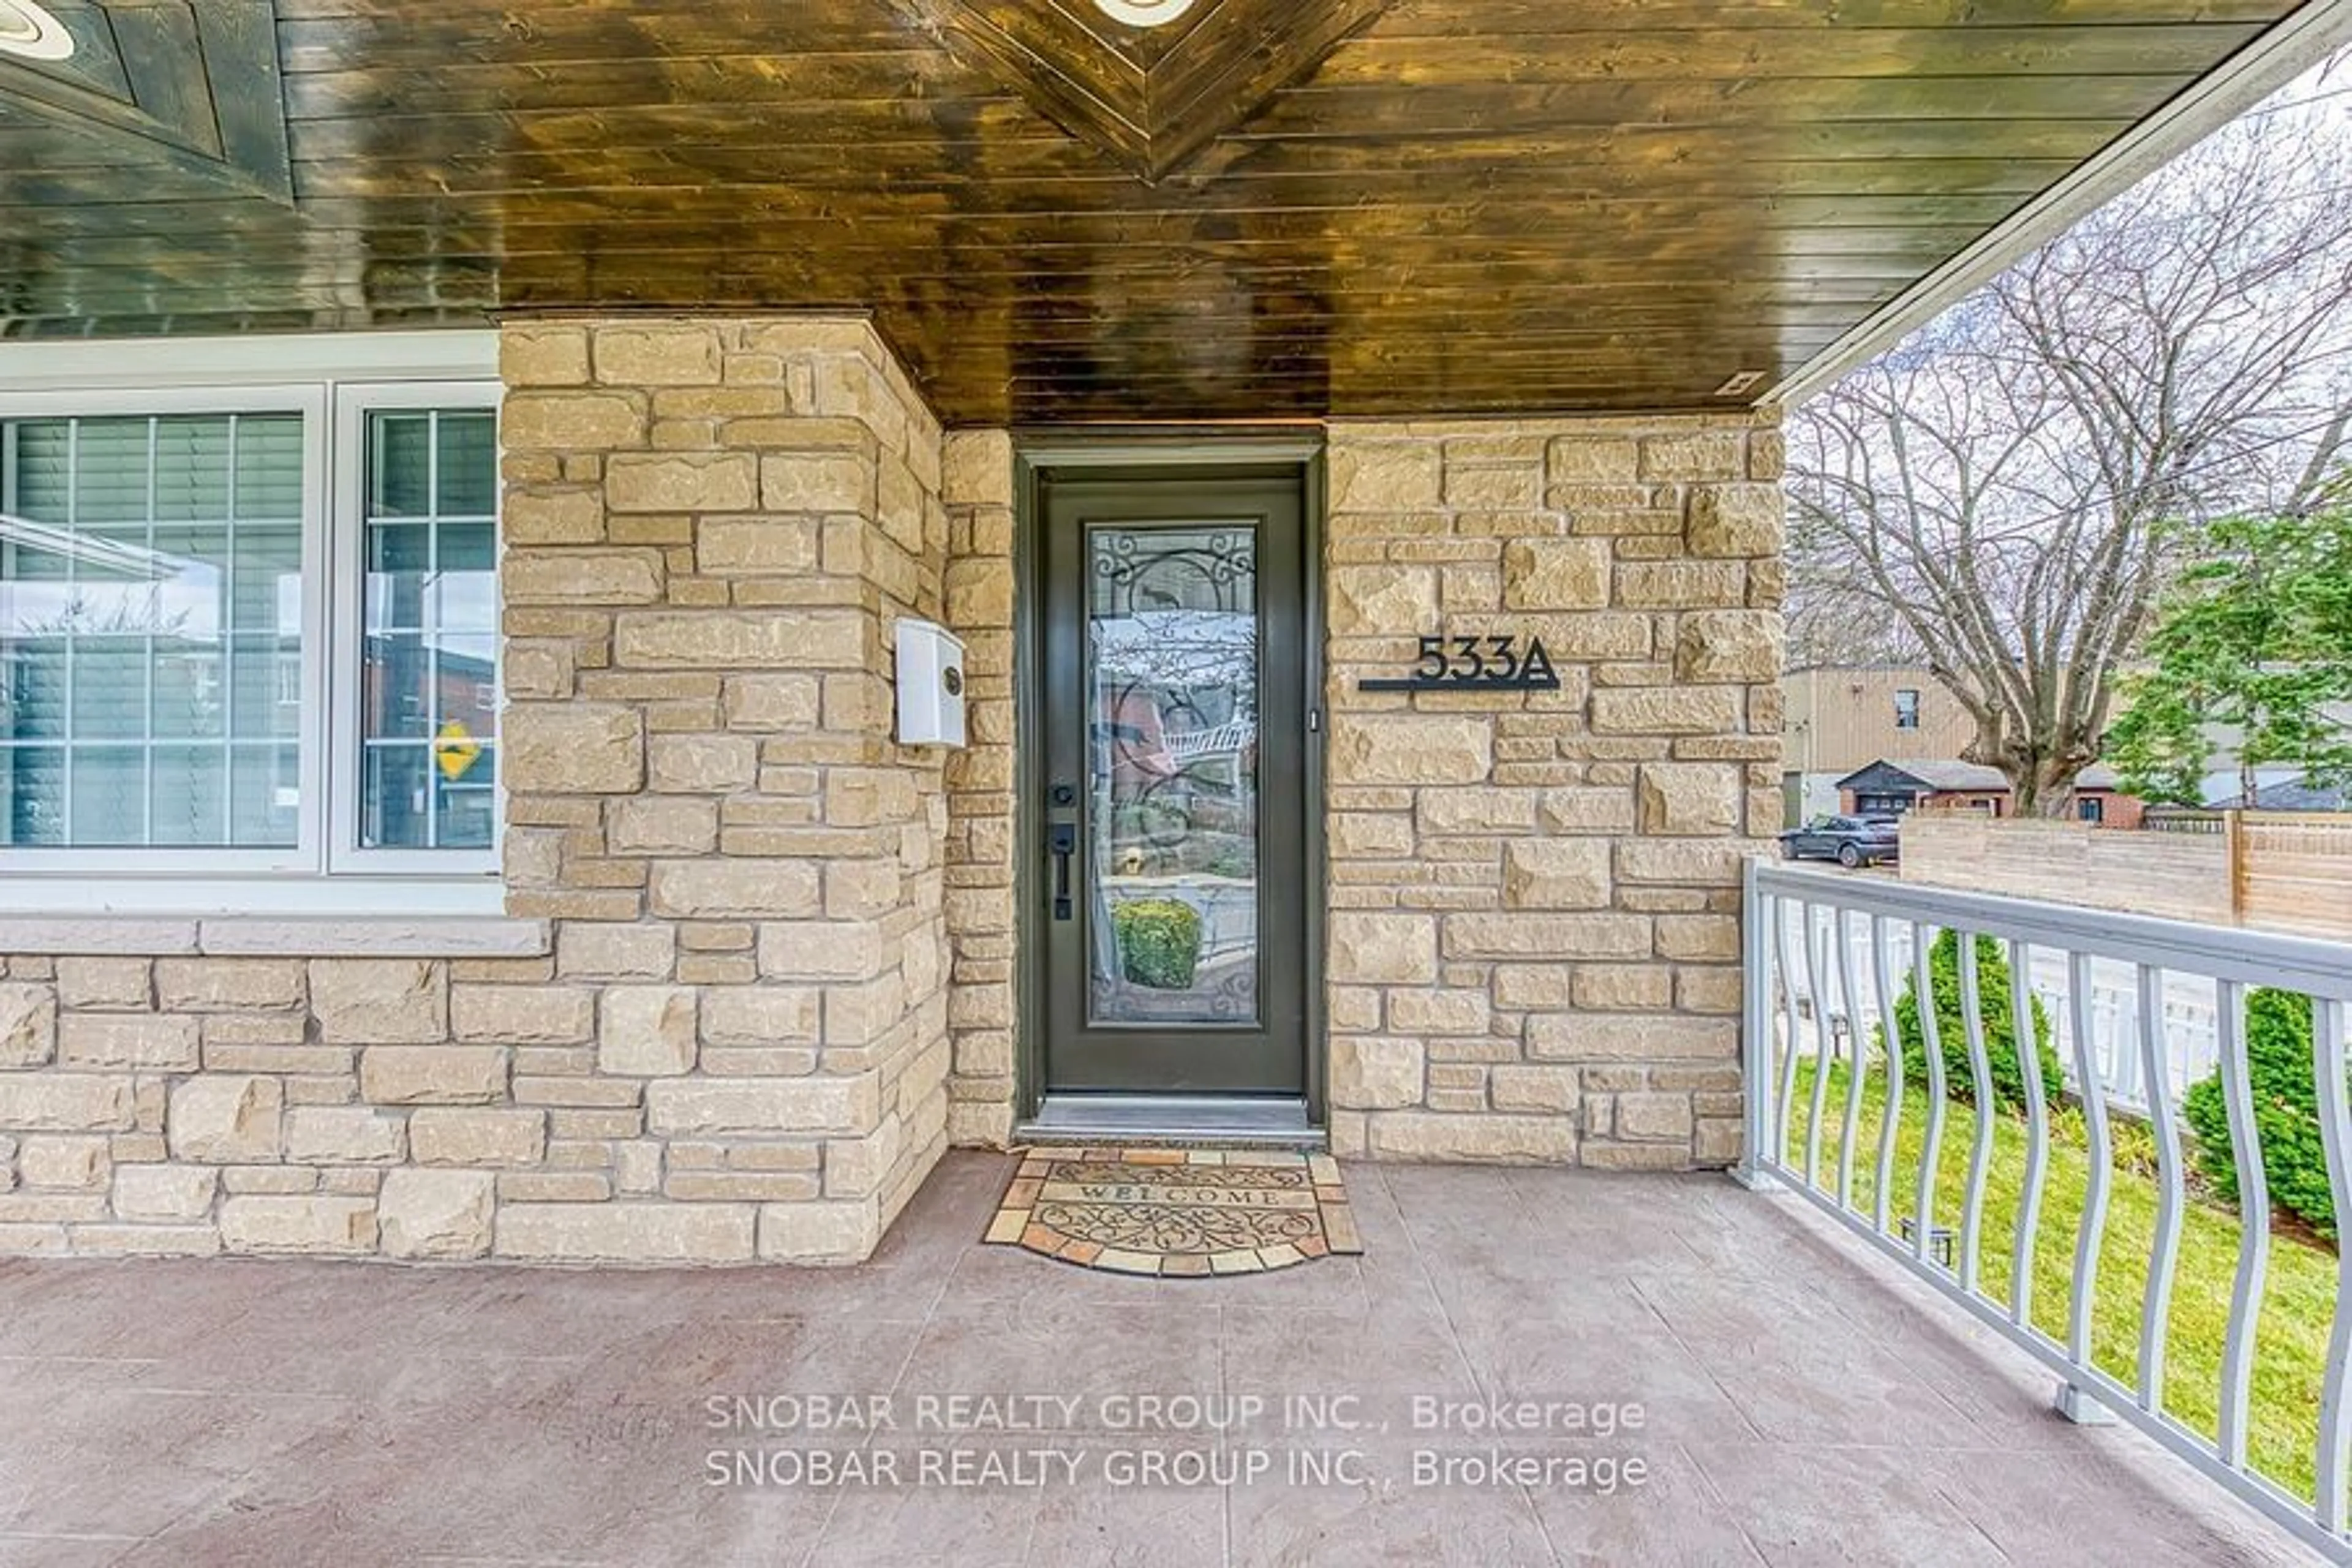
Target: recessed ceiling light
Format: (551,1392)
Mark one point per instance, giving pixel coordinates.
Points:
(1744,382)
(29,30)
(1143,13)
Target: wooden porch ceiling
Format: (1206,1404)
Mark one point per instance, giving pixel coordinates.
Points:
(1277,207)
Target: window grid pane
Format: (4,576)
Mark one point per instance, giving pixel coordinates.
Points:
(136,554)
(428,676)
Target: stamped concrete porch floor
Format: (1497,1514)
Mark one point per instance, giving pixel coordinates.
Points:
(1798,1405)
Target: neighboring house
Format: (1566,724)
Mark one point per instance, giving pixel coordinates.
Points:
(654,362)
(1889,787)
(1840,717)
(2297,793)
(2098,798)
(2223,780)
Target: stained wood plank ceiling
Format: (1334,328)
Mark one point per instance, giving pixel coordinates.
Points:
(1275,208)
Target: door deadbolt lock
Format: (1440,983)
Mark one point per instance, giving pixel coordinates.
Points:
(1063,796)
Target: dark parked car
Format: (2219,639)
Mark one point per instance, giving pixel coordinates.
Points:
(1850,841)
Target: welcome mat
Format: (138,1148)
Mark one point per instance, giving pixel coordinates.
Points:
(1177,1213)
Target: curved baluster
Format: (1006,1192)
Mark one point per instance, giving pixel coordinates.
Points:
(2335,1133)
(1882,974)
(2093,1227)
(2254,1223)
(1854,1053)
(1824,1052)
(1922,984)
(2164,1254)
(1757,1066)
(1980,1080)
(1788,973)
(2037,1132)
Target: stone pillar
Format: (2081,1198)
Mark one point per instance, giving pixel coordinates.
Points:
(710,528)
(982,825)
(1535,931)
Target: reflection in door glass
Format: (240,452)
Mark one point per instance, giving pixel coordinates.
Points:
(1172,867)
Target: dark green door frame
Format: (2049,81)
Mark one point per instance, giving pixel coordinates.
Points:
(1174,459)
(1175,599)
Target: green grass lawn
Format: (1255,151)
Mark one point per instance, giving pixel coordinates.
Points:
(2298,1299)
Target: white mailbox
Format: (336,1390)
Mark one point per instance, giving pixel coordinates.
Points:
(930,685)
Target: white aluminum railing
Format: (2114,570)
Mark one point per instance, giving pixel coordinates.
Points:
(2190,1004)
(1825,956)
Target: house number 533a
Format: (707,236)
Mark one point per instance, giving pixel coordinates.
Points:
(1481,662)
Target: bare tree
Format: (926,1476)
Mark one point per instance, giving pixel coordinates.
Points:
(2005,493)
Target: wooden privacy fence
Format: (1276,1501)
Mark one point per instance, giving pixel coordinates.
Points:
(2277,870)
(2292,870)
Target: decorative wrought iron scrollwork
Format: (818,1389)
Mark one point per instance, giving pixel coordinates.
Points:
(1226,561)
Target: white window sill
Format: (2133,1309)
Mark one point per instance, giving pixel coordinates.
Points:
(380,917)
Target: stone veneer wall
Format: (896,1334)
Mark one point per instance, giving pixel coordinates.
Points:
(982,1009)
(717,1028)
(759,964)
(1535,936)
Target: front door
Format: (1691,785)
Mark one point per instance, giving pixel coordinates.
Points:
(1173,898)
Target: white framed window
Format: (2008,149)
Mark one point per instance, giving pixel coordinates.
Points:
(413,773)
(248,629)
(154,553)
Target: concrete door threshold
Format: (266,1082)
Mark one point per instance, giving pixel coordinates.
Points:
(1253,1120)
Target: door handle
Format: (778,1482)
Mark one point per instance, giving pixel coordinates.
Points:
(1062,839)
